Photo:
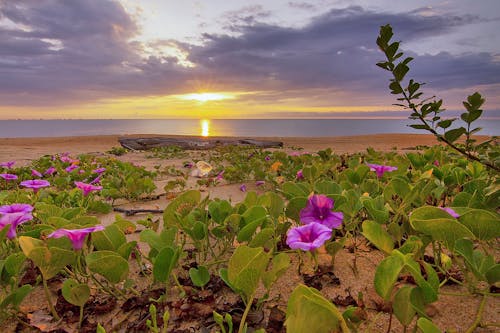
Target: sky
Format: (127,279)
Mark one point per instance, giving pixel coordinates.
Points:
(108,59)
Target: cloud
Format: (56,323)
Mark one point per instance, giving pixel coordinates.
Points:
(58,52)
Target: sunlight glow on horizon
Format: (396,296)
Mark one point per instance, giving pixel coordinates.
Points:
(205,97)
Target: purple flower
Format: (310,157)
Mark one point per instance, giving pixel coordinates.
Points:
(259,182)
(300,175)
(87,188)
(35,184)
(267,158)
(13,215)
(71,168)
(188,165)
(243,188)
(308,237)
(319,210)
(76,236)
(436,163)
(8,176)
(13,220)
(8,164)
(36,173)
(16,208)
(50,171)
(220,175)
(96,180)
(381,169)
(99,170)
(450,211)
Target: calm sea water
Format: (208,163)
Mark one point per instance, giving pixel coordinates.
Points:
(226,127)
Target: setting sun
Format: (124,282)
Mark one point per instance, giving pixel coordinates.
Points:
(205,97)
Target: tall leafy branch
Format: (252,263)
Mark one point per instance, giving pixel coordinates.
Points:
(428,111)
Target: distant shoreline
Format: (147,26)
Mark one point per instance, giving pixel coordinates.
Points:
(26,149)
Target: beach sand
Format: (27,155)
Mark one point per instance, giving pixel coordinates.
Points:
(25,149)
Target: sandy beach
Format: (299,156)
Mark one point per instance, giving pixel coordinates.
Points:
(26,149)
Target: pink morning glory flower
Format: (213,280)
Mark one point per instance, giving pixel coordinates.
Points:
(259,183)
(243,188)
(381,169)
(308,237)
(14,215)
(8,176)
(450,211)
(16,208)
(8,164)
(13,220)
(267,158)
(99,170)
(35,184)
(76,236)
(50,171)
(319,210)
(300,175)
(36,173)
(96,180)
(220,175)
(87,188)
(71,168)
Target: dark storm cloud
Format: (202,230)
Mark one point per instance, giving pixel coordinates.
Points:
(338,49)
(60,51)
(74,51)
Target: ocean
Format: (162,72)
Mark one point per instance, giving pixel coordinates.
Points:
(219,127)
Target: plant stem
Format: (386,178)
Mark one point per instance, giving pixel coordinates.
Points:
(479,315)
(49,299)
(245,314)
(81,317)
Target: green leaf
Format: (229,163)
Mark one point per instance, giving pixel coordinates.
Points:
(439,225)
(445,123)
(14,263)
(280,264)
(75,293)
(49,261)
(374,232)
(109,264)
(387,274)
(294,207)
(291,190)
(111,238)
(15,298)
(246,233)
(376,208)
(400,71)
(427,326)
(453,134)
(246,263)
(219,210)
(199,276)
(126,249)
(493,274)
(309,311)
(164,263)
(402,308)
(484,225)
(262,238)
(180,207)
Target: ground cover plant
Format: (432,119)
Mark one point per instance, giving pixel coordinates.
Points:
(320,242)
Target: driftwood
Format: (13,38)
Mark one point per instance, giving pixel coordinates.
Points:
(130,212)
(192,143)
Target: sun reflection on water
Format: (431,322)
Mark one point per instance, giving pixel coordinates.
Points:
(205,127)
